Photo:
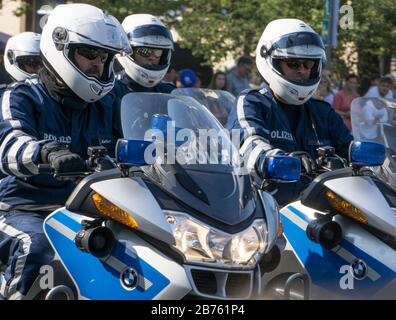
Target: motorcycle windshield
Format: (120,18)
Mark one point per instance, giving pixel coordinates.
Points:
(218,102)
(374,119)
(195,159)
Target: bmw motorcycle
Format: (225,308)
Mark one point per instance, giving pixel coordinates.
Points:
(165,223)
(343,227)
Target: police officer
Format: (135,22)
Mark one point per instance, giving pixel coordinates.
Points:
(152,47)
(144,69)
(22,56)
(282,117)
(53,122)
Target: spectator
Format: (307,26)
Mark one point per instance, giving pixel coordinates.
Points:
(382,90)
(324,91)
(219,81)
(238,79)
(343,98)
(373,113)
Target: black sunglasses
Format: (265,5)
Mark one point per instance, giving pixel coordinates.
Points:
(147,52)
(296,64)
(92,53)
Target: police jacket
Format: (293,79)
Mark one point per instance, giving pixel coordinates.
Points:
(265,128)
(29,118)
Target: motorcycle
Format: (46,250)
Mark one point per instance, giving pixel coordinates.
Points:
(163,223)
(218,102)
(343,226)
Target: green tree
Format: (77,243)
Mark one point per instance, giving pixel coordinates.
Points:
(372,39)
(123,8)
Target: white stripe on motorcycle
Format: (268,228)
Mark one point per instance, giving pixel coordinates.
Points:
(294,218)
(342,252)
(62,229)
(111,260)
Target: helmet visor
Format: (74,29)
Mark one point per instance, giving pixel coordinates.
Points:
(305,45)
(30,64)
(152,35)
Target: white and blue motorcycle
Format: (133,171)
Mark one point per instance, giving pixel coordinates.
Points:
(343,227)
(163,224)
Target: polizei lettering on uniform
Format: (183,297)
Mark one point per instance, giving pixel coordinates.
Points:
(282,135)
(59,139)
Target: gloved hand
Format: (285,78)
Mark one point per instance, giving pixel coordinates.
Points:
(308,165)
(61,159)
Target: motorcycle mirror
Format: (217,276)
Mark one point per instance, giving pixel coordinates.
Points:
(282,168)
(135,152)
(366,153)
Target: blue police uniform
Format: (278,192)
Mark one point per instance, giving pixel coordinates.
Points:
(266,129)
(29,119)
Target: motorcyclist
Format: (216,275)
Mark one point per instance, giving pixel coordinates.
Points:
(282,117)
(53,121)
(144,69)
(22,56)
(152,46)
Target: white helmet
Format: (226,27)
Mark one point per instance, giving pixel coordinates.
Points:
(21,50)
(145,30)
(72,25)
(286,39)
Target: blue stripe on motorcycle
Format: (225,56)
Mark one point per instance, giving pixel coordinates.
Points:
(95,278)
(324,265)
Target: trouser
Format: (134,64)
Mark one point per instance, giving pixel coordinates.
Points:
(24,249)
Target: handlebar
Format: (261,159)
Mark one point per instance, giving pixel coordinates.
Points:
(94,164)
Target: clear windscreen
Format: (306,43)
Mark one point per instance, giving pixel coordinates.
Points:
(374,119)
(181,123)
(218,102)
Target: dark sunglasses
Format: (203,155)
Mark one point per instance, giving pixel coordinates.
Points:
(92,53)
(296,64)
(147,52)
(30,61)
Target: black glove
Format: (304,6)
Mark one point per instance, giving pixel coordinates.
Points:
(61,159)
(308,165)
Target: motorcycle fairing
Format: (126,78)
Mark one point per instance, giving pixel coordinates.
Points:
(101,278)
(325,267)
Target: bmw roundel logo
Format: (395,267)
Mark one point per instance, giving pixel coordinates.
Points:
(359,269)
(129,279)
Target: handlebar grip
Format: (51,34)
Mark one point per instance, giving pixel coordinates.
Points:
(44,168)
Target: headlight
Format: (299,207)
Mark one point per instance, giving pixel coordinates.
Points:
(201,243)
